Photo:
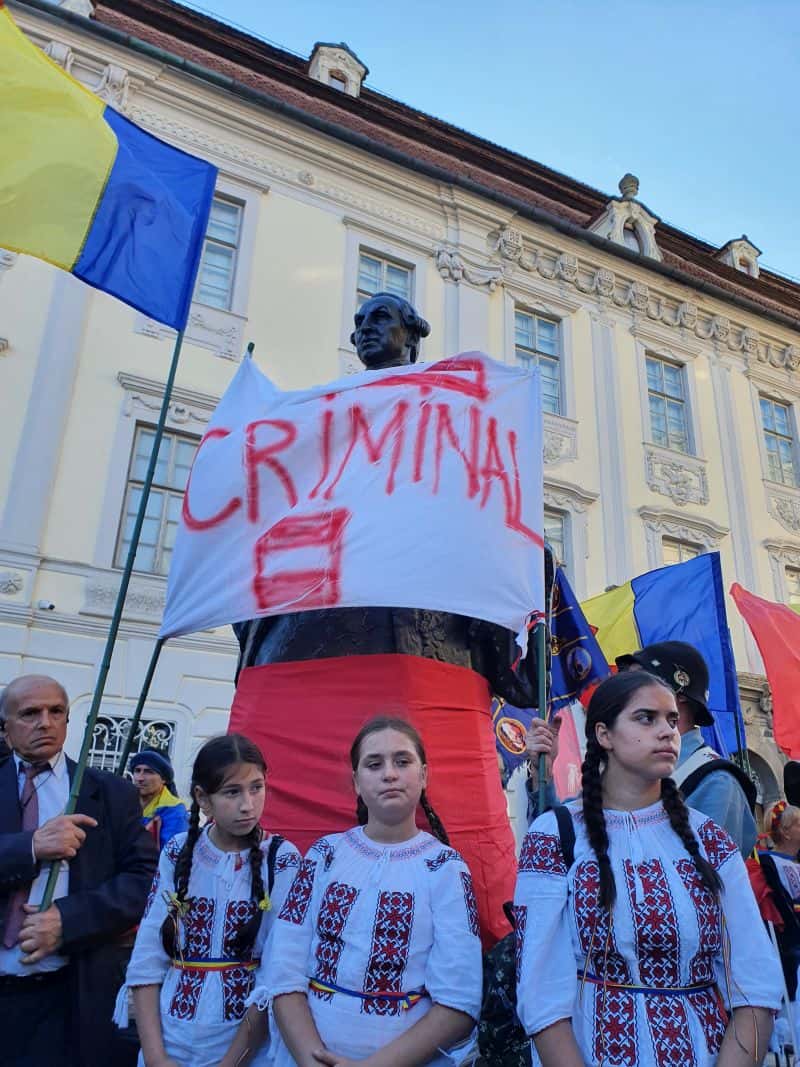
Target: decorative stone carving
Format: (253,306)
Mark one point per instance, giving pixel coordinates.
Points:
(187,405)
(60,53)
(565,497)
(681,478)
(338,66)
(220,331)
(742,255)
(453,268)
(143,601)
(113,86)
(628,213)
(781,359)
(305,177)
(560,439)
(765,699)
(660,523)
(11,583)
(784,505)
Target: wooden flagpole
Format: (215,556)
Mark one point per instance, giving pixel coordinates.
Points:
(99,689)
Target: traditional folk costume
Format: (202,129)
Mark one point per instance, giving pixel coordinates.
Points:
(650,987)
(204,990)
(375,934)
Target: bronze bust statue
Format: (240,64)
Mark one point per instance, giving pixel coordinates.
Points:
(387,333)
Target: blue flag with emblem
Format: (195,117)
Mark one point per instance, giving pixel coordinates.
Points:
(578,661)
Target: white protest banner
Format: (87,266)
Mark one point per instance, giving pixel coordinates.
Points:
(417,487)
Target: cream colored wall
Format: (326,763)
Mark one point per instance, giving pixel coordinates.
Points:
(310,197)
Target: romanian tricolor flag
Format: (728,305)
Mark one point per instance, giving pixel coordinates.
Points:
(684,602)
(88,191)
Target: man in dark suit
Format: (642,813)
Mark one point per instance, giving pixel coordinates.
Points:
(60,969)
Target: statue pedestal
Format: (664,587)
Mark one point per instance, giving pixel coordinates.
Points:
(305,714)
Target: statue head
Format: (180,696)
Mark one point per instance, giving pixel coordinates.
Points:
(388,331)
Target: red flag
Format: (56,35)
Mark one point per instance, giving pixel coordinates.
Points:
(776,629)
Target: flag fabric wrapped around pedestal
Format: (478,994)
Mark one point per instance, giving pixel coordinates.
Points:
(87,190)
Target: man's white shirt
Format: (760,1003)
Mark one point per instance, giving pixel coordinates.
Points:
(52,793)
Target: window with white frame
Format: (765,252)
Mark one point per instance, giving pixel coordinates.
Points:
(793,587)
(217,271)
(778,429)
(666,395)
(175,457)
(555,534)
(676,551)
(537,340)
(111,732)
(376,274)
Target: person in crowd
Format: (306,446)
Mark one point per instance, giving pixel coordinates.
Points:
(376,957)
(211,906)
(60,968)
(648,949)
(163,813)
(781,880)
(711,784)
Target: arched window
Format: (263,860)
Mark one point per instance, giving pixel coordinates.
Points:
(630,238)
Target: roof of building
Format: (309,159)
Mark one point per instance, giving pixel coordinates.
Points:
(264,67)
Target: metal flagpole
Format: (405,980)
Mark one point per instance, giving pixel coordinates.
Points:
(541,660)
(99,689)
(137,715)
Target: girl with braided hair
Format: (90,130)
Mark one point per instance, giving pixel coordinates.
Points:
(376,955)
(212,904)
(648,949)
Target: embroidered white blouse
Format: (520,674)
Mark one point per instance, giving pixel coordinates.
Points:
(666,931)
(201,1009)
(371,918)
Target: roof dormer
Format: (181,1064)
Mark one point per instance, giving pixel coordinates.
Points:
(742,255)
(335,65)
(627,222)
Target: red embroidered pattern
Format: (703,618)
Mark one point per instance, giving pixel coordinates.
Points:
(286,861)
(614,1024)
(151,896)
(237,984)
(324,849)
(717,843)
(445,856)
(196,927)
(713,1018)
(655,924)
(388,957)
(520,922)
(334,911)
(470,902)
(299,896)
(542,853)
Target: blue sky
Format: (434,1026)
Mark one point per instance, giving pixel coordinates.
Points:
(698,99)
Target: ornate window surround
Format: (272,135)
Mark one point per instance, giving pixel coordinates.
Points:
(415,255)
(681,476)
(783,501)
(538,301)
(189,413)
(782,554)
(662,522)
(573,502)
(218,329)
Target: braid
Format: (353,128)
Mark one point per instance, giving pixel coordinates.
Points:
(679,821)
(362,815)
(435,823)
(245,939)
(183,870)
(595,822)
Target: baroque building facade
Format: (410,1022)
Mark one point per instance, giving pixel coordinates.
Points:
(670,368)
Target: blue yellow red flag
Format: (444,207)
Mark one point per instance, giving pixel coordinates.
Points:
(87,190)
(684,602)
